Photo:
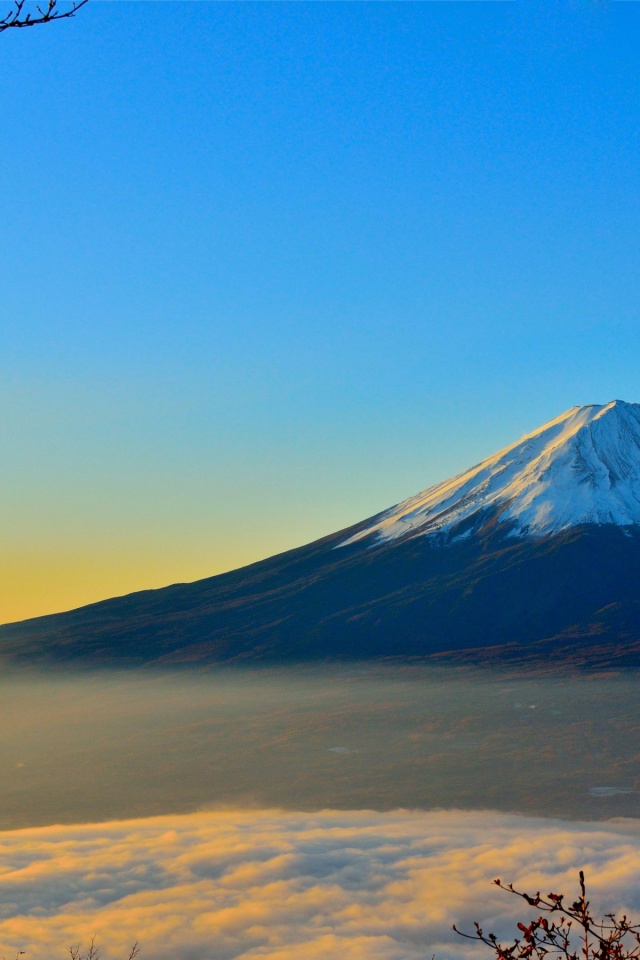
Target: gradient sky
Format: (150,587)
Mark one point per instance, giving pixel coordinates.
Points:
(270,268)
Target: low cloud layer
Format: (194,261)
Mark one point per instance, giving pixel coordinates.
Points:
(297,886)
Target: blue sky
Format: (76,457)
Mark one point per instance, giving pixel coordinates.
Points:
(270,267)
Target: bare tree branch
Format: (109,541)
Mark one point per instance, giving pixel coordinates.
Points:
(19,15)
(545,938)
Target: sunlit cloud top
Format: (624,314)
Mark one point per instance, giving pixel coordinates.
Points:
(285,886)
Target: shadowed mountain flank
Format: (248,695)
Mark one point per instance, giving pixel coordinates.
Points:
(533,555)
(411,599)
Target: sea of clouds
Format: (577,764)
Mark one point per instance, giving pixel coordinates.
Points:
(298,886)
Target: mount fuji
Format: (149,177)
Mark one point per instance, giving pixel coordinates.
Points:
(532,556)
(583,467)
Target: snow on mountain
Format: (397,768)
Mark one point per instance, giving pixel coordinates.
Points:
(582,467)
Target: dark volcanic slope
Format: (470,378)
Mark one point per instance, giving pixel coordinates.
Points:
(574,594)
(531,555)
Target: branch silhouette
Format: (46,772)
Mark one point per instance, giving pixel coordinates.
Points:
(20,15)
(565,930)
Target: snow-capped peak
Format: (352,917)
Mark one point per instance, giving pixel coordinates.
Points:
(582,467)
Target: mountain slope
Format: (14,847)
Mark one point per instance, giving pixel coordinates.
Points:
(534,552)
(583,467)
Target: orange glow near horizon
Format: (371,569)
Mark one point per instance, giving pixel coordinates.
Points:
(42,582)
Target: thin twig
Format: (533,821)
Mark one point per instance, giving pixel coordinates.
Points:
(19,16)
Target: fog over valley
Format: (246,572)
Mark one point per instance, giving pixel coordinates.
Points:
(307,813)
(87,747)
(320,480)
